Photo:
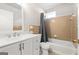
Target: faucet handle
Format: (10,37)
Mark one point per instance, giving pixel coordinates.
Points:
(9,35)
(14,34)
(18,34)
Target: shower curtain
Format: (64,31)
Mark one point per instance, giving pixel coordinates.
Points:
(44,37)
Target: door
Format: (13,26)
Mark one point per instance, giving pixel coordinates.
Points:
(26,47)
(10,50)
(36,45)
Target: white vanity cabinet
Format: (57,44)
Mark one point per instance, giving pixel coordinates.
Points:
(13,49)
(27,46)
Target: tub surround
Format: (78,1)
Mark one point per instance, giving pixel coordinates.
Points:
(62,27)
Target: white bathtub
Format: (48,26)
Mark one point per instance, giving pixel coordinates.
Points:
(62,47)
(78,49)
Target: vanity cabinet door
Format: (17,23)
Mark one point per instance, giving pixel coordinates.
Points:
(27,47)
(10,50)
(36,45)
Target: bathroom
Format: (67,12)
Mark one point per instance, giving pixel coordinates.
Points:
(61,26)
(39,29)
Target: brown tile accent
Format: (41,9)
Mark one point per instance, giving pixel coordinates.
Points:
(17,27)
(78,41)
(33,28)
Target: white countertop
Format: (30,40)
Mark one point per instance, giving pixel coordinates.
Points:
(7,41)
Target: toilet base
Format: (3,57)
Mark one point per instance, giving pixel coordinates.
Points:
(45,52)
(44,48)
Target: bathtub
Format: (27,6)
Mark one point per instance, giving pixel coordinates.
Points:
(78,49)
(60,47)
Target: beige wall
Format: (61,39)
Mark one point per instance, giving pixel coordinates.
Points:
(31,16)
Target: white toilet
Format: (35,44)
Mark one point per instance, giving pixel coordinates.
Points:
(44,48)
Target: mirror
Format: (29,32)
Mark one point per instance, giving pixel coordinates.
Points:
(17,20)
(6,19)
(31,16)
(10,18)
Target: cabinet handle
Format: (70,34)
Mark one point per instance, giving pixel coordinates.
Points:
(20,47)
(23,46)
(36,40)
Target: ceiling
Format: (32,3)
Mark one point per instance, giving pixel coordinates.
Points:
(45,6)
(14,5)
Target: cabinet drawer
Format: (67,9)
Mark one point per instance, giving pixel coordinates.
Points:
(27,44)
(10,50)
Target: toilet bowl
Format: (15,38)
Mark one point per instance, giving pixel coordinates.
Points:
(44,48)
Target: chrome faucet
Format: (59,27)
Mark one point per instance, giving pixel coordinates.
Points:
(14,34)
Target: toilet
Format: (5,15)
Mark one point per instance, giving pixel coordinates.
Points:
(44,48)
